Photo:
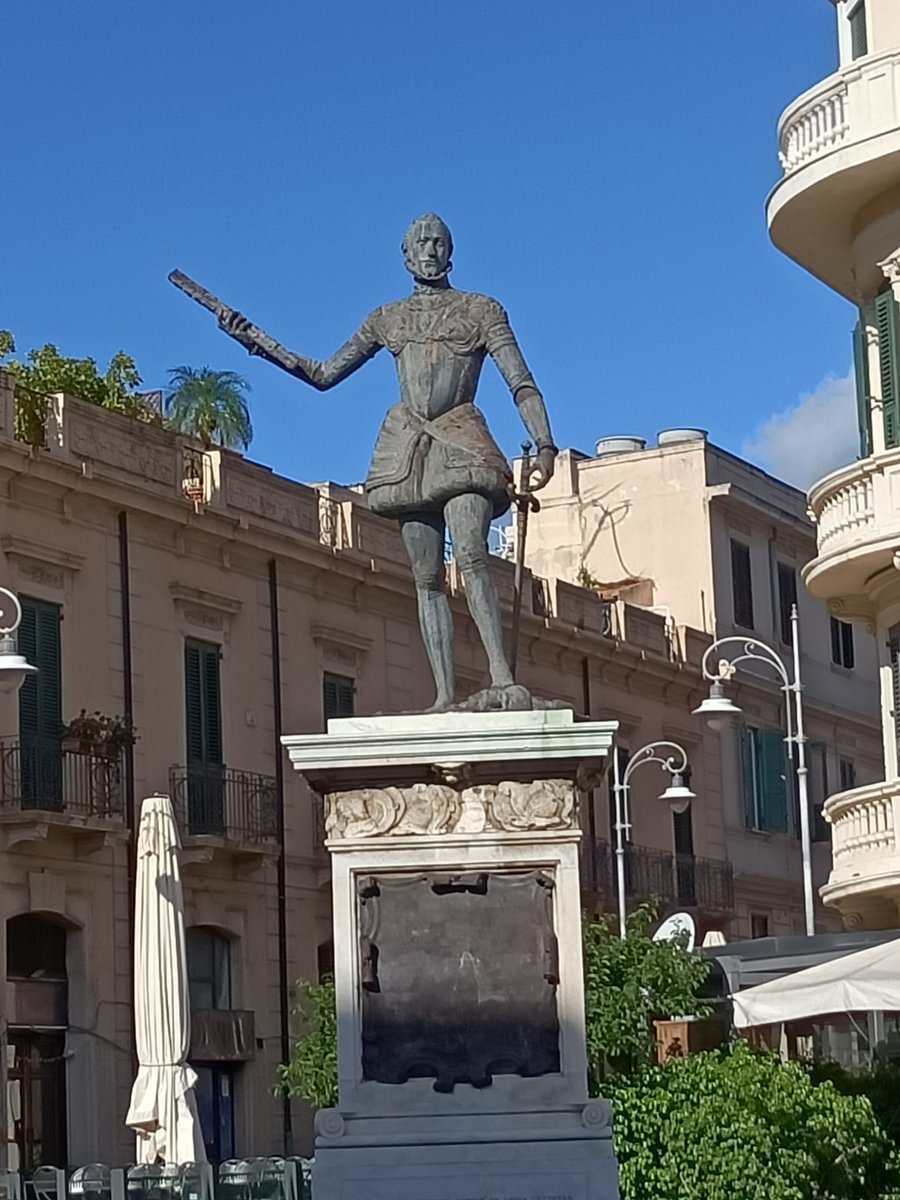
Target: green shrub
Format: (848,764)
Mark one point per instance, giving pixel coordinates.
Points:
(311,1073)
(739,1125)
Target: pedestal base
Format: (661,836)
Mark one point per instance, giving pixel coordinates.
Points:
(537,1156)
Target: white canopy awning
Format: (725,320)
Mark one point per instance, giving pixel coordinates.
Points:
(867,980)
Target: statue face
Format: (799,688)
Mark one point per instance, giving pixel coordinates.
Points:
(428,251)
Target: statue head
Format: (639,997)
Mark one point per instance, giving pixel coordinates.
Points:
(427,246)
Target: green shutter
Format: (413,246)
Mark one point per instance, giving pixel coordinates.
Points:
(203,702)
(863,397)
(888,347)
(748,780)
(771,767)
(40,699)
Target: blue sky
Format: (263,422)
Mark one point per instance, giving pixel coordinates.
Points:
(603,167)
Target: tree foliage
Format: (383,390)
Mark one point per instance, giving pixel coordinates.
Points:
(736,1124)
(45,371)
(630,982)
(210,405)
(311,1072)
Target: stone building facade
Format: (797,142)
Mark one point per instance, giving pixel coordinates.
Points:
(218,605)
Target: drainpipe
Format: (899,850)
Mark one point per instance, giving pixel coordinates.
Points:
(592,805)
(287,1133)
(128,704)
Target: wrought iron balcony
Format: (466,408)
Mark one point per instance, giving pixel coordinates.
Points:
(680,879)
(212,800)
(44,775)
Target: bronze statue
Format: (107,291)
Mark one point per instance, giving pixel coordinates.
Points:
(436,467)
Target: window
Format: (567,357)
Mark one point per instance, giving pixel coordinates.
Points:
(209,968)
(764,770)
(787,599)
(741,584)
(841,643)
(859,41)
(818,791)
(847,774)
(35,948)
(203,713)
(337,695)
(887,321)
(759,925)
(40,705)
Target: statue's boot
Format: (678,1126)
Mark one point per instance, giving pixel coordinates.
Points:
(436,624)
(484,605)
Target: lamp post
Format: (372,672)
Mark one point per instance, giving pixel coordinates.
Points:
(677,795)
(718,710)
(13,666)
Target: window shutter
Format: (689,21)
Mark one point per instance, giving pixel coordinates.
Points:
(888,346)
(741,585)
(772,773)
(40,700)
(203,702)
(212,704)
(863,397)
(787,598)
(193,702)
(748,777)
(337,696)
(859,40)
(894,646)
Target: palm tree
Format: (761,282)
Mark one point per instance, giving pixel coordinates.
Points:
(210,405)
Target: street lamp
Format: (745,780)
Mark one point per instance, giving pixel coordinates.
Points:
(677,795)
(718,711)
(13,666)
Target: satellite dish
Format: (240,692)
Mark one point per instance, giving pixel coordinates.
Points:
(677,926)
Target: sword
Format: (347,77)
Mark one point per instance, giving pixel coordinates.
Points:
(526,502)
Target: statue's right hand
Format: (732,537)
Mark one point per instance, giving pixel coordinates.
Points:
(236,326)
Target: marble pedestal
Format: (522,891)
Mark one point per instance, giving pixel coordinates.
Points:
(480,809)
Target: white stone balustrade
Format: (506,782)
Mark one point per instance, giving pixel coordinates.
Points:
(856,103)
(845,509)
(818,126)
(865,846)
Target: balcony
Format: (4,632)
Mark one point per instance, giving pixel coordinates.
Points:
(857,511)
(839,146)
(46,785)
(674,880)
(864,883)
(221,810)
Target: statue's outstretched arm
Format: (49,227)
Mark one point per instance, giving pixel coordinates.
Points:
(320,375)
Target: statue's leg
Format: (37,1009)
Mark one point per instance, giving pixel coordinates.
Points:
(469,521)
(423,537)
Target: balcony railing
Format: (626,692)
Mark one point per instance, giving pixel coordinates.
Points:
(865,824)
(681,879)
(43,775)
(814,126)
(212,800)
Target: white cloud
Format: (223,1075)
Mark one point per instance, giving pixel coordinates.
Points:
(810,438)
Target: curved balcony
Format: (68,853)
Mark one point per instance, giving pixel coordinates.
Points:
(839,145)
(857,511)
(864,883)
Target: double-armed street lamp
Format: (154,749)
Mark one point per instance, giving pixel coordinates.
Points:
(14,667)
(677,795)
(719,710)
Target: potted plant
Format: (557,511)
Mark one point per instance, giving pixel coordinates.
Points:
(98,734)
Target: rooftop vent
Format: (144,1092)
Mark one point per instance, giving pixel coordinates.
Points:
(670,437)
(619,445)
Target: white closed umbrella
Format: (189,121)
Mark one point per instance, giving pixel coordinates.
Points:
(865,981)
(163,1110)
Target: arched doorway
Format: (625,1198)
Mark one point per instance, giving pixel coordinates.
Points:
(36,1075)
(210,982)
